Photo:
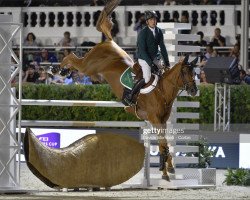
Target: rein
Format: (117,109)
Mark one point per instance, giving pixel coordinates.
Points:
(185,87)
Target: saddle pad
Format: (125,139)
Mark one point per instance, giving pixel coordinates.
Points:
(126,78)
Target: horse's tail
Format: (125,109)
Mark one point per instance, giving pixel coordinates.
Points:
(104,23)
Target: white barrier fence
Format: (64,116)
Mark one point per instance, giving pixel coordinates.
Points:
(139,124)
(78,123)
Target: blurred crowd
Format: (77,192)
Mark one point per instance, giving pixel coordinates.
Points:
(34,70)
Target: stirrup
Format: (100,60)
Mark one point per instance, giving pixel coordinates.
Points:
(129,102)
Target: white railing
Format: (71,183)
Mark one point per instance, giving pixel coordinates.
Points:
(49,23)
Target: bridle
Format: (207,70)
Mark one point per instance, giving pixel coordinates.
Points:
(186,82)
(185,87)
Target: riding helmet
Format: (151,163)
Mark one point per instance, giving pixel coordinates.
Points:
(150,14)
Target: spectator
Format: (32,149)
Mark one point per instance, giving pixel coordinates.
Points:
(217,39)
(66,52)
(31,75)
(72,79)
(184,19)
(30,40)
(46,57)
(202,63)
(78,78)
(169,2)
(203,79)
(63,54)
(140,24)
(67,40)
(235,52)
(83,79)
(214,53)
(244,77)
(56,79)
(43,77)
(201,42)
(209,51)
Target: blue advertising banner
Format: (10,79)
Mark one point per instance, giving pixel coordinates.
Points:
(50,139)
(226,155)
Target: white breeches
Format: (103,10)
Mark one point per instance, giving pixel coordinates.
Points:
(146,70)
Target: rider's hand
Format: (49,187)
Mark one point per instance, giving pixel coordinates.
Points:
(154,67)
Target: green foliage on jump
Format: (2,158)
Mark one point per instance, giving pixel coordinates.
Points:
(237,177)
(204,154)
(240,104)
(77,113)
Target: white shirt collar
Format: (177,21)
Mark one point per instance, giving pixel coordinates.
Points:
(152,29)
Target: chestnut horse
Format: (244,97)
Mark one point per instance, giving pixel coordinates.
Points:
(110,61)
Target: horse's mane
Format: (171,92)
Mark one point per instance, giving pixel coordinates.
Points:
(168,72)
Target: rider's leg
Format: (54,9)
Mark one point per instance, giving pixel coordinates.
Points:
(146,78)
(146,70)
(135,89)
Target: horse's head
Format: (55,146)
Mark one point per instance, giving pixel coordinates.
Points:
(187,75)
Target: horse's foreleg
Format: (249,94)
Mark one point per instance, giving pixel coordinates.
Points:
(165,157)
(164,148)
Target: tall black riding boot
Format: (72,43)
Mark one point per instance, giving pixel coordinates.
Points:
(135,90)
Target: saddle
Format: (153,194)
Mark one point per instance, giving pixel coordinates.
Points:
(132,75)
(138,71)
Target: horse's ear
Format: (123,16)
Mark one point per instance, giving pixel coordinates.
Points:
(194,62)
(185,61)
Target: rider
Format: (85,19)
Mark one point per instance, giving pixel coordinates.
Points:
(148,41)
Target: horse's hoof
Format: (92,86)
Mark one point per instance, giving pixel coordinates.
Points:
(166,177)
(171,170)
